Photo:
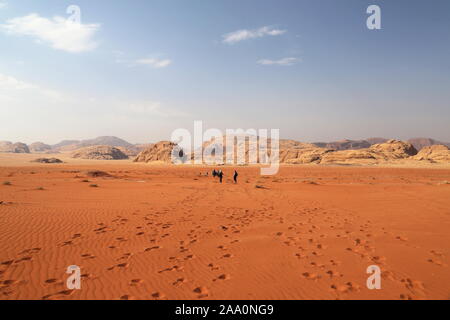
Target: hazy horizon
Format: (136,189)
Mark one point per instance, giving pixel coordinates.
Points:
(140,70)
(155,141)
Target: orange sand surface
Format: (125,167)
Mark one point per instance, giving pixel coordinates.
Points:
(162,232)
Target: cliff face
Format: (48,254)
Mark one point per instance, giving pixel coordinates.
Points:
(378,153)
(294,152)
(9,147)
(161,151)
(435,153)
(99,153)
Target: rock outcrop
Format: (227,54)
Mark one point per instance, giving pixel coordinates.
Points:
(99,153)
(434,154)
(39,147)
(47,160)
(71,145)
(391,150)
(9,147)
(161,151)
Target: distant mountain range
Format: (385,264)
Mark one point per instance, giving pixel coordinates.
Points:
(418,143)
(70,145)
(133,149)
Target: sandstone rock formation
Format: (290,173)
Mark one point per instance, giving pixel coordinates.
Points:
(161,151)
(99,153)
(39,147)
(434,154)
(391,150)
(71,145)
(294,152)
(9,147)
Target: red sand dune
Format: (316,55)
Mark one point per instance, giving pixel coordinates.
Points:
(161,232)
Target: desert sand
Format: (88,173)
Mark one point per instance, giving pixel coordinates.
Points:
(165,232)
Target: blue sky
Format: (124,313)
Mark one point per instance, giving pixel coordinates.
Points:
(143,68)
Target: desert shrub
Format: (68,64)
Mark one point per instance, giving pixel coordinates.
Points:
(97,173)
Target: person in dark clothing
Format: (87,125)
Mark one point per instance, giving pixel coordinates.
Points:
(235,176)
(220,176)
(214,173)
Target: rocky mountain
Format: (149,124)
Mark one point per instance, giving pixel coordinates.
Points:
(64,143)
(420,143)
(434,154)
(9,147)
(71,145)
(377,153)
(39,147)
(344,144)
(161,151)
(99,153)
(294,152)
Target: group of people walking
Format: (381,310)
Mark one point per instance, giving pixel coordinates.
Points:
(219,174)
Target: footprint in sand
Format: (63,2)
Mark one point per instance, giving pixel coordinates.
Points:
(179,281)
(88,256)
(202,292)
(158,295)
(152,248)
(346,288)
(213,266)
(59,294)
(334,273)
(437,253)
(135,282)
(223,277)
(120,265)
(437,262)
(23,259)
(311,276)
(54,281)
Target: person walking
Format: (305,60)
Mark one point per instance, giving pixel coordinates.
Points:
(235,176)
(220,176)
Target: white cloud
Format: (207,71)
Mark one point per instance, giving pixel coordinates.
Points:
(58,32)
(154,63)
(282,62)
(245,34)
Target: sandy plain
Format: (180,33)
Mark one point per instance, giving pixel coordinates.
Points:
(167,232)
